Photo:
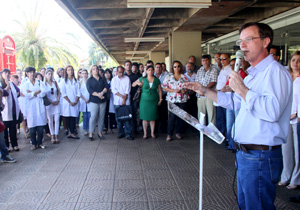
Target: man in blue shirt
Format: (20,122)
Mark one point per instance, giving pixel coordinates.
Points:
(264,102)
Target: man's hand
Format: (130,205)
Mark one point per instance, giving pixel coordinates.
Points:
(237,84)
(195,86)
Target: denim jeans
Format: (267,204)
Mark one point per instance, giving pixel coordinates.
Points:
(221,119)
(3,148)
(39,130)
(78,118)
(258,172)
(230,118)
(86,118)
(127,124)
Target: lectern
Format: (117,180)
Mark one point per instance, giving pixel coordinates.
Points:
(210,131)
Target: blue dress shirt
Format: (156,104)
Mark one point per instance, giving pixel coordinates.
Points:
(263,118)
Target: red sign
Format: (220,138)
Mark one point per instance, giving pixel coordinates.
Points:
(8,54)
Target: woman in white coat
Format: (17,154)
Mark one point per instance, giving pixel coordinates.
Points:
(71,94)
(53,110)
(84,102)
(11,110)
(290,151)
(34,91)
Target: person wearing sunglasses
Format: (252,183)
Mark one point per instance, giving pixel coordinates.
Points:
(177,94)
(53,110)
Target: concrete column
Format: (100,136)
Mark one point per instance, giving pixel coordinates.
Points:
(185,44)
(157,57)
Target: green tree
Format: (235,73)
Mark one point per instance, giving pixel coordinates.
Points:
(35,48)
(97,55)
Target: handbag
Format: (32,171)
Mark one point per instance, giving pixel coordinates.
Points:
(2,126)
(46,101)
(138,93)
(124,113)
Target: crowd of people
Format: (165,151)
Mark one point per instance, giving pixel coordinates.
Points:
(41,101)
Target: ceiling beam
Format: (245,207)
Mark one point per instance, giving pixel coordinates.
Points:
(100,24)
(149,13)
(115,14)
(102,4)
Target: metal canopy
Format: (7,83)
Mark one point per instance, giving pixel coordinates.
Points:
(109,22)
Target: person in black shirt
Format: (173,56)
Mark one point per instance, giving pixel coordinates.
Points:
(134,104)
(97,87)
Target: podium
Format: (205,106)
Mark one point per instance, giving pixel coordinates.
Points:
(210,131)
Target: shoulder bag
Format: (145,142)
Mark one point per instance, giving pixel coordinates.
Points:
(138,93)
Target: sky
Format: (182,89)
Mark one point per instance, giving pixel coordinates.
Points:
(55,22)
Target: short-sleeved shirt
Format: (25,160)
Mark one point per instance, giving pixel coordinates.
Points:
(205,77)
(172,83)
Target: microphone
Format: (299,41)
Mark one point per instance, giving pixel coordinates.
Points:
(238,60)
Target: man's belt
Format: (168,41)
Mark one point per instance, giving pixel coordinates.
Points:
(246,147)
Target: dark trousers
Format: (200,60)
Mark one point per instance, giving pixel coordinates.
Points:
(39,130)
(71,121)
(109,117)
(47,130)
(174,120)
(221,120)
(11,128)
(192,109)
(63,119)
(134,107)
(162,122)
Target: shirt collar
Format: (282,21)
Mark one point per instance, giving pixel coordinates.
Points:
(261,66)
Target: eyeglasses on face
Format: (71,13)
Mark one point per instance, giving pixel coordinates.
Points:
(176,66)
(247,40)
(223,59)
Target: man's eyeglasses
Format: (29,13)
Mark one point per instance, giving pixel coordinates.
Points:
(176,66)
(247,40)
(52,91)
(223,59)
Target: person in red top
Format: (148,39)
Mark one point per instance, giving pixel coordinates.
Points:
(231,114)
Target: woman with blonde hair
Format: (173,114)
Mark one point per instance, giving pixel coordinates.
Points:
(290,151)
(97,87)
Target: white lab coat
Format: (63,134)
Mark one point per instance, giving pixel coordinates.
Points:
(7,113)
(86,95)
(70,89)
(35,109)
(60,82)
(22,99)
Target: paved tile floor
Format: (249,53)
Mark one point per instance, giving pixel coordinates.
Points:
(114,174)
